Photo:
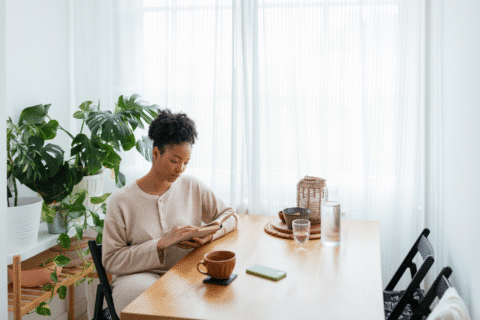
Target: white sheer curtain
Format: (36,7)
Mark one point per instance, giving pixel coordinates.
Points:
(279,89)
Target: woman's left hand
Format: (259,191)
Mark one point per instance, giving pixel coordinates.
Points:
(195,242)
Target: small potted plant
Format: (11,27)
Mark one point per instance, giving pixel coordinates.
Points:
(74,209)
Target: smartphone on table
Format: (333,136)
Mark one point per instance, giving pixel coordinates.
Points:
(266,272)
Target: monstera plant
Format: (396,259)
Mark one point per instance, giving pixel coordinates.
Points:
(110,133)
(39,166)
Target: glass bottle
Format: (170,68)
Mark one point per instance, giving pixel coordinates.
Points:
(330,221)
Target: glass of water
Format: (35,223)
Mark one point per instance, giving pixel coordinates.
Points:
(301,231)
(330,221)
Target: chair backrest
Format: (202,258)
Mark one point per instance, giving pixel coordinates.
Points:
(104,289)
(424,247)
(438,288)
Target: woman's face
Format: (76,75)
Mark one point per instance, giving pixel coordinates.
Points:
(173,162)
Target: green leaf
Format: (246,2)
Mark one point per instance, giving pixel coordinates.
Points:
(84,253)
(49,130)
(53,156)
(98,200)
(77,205)
(61,260)
(48,213)
(47,287)
(104,208)
(79,143)
(86,106)
(90,280)
(62,292)
(79,230)
(78,115)
(99,237)
(128,142)
(136,111)
(79,281)
(111,158)
(35,114)
(94,164)
(64,240)
(145,147)
(43,309)
(76,214)
(57,187)
(96,218)
(120,179)
(54,277)
(35,143)
(89,153)
(100,224)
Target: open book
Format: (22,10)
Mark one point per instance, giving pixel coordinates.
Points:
(199,232)
(202,231)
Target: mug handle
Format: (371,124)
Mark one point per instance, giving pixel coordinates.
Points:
(198,265)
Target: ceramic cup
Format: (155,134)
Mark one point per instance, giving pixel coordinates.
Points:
(219,264)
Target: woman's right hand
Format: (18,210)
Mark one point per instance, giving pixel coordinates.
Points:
(176,234)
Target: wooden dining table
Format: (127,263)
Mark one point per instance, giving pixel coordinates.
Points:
(322,282)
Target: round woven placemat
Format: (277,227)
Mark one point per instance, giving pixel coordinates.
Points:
(274,232)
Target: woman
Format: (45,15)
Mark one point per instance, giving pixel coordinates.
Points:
(159,208)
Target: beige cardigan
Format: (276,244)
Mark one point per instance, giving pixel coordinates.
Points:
(136,220)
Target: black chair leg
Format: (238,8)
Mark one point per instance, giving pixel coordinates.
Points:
(99,303)
(110,307)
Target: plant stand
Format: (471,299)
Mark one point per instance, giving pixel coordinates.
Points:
(23,300)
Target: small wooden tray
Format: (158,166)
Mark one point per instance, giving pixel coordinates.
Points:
(274,232)
(282,227)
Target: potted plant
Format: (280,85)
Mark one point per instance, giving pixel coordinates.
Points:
(39,166)
(110,133)
(73,208)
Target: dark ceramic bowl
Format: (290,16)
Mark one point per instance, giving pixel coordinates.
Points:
(295,213)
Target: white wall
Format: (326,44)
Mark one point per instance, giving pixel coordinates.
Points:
(3,204)
(460,50)
(37,58)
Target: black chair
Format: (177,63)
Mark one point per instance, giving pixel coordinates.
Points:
(438,288)
(103,289)
(402,304)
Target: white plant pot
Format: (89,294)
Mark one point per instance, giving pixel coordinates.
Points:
(93,185)
(23,222)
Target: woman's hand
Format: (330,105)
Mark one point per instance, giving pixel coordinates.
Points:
(195,242)
(176,234)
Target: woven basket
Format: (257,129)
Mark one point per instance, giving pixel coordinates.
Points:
(310,196)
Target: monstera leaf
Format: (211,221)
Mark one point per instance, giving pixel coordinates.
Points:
(145,147)
(117,128)
(59,186)
(34,161)
(111,128)
(35,114)
(89,152)
(136,111)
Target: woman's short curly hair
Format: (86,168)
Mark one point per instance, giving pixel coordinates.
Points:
(171,128)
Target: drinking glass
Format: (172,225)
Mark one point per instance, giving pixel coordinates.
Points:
(301,230)
(330,222)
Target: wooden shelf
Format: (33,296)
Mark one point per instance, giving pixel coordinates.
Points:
(24,300)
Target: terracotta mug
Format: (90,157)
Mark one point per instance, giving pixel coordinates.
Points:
(219,264)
